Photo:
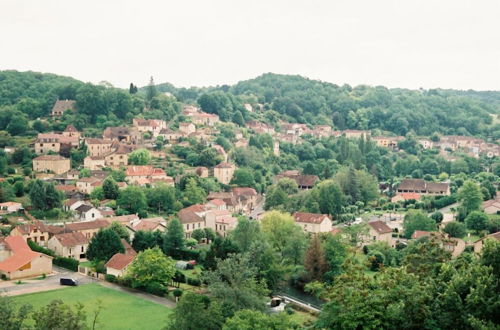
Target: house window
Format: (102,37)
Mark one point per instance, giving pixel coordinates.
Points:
(82,249)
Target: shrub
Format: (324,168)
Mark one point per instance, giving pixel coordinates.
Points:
(179,277)
(110,278)
(157,289)
(67,263)
(177,292)
(193,281)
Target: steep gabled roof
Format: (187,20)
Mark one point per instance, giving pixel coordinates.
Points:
(305,217)
(71,239)
(380,227)
(119,261)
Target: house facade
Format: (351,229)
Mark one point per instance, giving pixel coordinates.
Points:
(51,163)
(70,245)
(313,222)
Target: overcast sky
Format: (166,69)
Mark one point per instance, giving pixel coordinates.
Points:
(398,43)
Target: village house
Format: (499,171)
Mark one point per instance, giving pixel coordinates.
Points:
(478,245)
(355,134)
(169,135)
(403,197)
(87,212)
(192,217)
(55,142)
(224,172)
(220,221)
(153,126)
(87,185)
(216,204)
(203,118)
(313,223)
(233,205)
(144,174)
(259,127)
(247,197)
(122,134)
(51,163)
(387,142)
(72,204)
(294,129)
(425,143)
(118,264)
(423,187)
(70,245)
(491,206)
(188,110)
(303,181)
(17,260)
(69,190)
(61,106)
(379,231)
(98,147)
(87,228)
(10,207)
(36,232)
(187,128)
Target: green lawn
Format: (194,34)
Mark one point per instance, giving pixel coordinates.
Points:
(120,310)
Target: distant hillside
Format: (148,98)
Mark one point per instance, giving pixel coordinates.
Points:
(299,99)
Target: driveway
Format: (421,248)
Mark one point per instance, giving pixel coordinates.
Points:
(51,282)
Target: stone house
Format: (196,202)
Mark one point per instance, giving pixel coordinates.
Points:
(220,221)
(202,172)
(72,204)
(191,218)
(87,228)
(224,172)
(355,134)
(313,222)
(17,260)
(94,162)
(51,163)
(303,181)
(478,245)
(36,232)
(153,126)
(259,127)
(246,196)
(98,147)
(136,173)
(122,134)
(169,135)
(61,106)
(203,118)
(54,142)
(70,245)
(423,187)
(379,231)
(187,128)
(87,185)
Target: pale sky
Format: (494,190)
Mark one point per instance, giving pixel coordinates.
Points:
(398,43)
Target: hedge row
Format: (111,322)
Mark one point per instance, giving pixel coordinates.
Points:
(67,263)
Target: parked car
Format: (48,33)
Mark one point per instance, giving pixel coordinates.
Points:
(68,281)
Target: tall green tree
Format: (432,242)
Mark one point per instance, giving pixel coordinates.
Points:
(105,244)
(477,221)
(139,157)
(417,220)
(132,199)
(314,261)
(44,196)
(470,196)
(110,188)
(151,268)
(173,241)
(194,311)
(58,315)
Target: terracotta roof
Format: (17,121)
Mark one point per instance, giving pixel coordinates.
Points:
(66,187)
(4,204)
(380,227)
(147,225)
(70,128)
(423,186)
(86,225)
(119,261)
(244,191)
(189,214)
(71,239)
(21,254)
(71,201)
(305,217)
(217,202)
(50,157)
(139,170)
(306,180)
(408,196)
(129,250)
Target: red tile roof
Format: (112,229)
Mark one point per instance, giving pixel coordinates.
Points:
(22,254)
(86,225)
(310,217)
(50,158)
(119,261)
(140,170)
(380,227)
(244,191)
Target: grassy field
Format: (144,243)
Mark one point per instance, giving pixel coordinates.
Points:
(120,310)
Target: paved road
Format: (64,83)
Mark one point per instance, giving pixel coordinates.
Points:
(258,209)
(51,282)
